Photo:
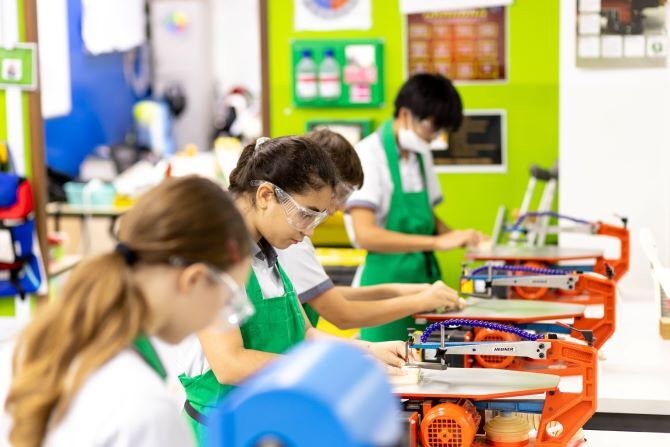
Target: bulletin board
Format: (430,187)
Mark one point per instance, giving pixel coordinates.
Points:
(621,34)
(360,75)
(464,45)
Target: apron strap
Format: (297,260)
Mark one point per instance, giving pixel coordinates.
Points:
(195,414)
(146,351)
(393,159)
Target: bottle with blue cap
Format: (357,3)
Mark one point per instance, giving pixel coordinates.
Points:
(306,77)
(329,76)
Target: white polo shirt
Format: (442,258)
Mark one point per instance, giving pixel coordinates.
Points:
(377,188)
(123,403)
(301,265)
(264,264)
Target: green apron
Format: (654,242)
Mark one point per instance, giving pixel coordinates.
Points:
(312,315)
(145,349)
(276,326)
(409,213)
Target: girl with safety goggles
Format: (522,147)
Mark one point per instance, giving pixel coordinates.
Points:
(283,188)
(85,370)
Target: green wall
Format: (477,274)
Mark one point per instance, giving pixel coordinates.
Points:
(530,98)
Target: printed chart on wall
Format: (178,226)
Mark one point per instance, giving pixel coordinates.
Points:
(618,33)
(331,15)
(480,145)
(463,45)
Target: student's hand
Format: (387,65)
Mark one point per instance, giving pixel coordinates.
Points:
(440,296)
(458,239)
(392,354)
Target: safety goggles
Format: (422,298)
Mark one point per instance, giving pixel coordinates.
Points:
(301,218)
(342,193)
(236,305)
(237,308)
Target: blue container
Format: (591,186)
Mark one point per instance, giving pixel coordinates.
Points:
(322,393)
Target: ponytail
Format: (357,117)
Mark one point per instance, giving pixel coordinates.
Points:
(102,309)
(102,312)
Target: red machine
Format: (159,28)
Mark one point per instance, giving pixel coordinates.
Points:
(450,409)
(549,256)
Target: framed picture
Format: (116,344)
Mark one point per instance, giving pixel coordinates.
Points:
(466,46)
(479,146)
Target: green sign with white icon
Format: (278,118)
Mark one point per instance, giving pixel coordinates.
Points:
(18,66)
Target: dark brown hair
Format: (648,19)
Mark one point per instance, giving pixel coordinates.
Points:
(431,96)
(102,310)
(295,164)
(342,153)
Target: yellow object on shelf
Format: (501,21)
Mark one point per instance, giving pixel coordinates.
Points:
(331,233)
(340,257)
(329,328)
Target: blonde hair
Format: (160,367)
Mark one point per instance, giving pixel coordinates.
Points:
(102,309)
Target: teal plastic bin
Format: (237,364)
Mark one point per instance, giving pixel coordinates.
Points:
(93,194)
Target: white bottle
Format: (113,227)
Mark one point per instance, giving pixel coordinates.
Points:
(306,77)
(329,77)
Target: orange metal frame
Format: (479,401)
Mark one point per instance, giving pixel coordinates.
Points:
(621,264)
(590,290)
(603,328)
(571,410)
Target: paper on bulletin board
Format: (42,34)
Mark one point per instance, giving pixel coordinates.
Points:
(329,15)
(113,25)
(414,6)
(54,58)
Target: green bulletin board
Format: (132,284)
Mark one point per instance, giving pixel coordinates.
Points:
(17,67)
(358,80)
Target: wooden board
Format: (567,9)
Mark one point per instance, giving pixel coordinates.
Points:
(478,384)
(550,254)
(516,311)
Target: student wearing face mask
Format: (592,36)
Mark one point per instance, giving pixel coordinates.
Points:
(391,215)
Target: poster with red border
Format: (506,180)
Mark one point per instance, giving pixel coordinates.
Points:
(463,45)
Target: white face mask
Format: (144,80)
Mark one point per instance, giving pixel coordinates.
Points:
(440,143)
(409,140)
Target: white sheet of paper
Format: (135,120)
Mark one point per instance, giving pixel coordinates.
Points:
(310,16)
(54,58)
(633,46)
(589,24)
(589,5)
(113,25)
(415,6)
(589,47)
(612,46)
(6,252)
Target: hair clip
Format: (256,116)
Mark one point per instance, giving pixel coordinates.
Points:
(260,141)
